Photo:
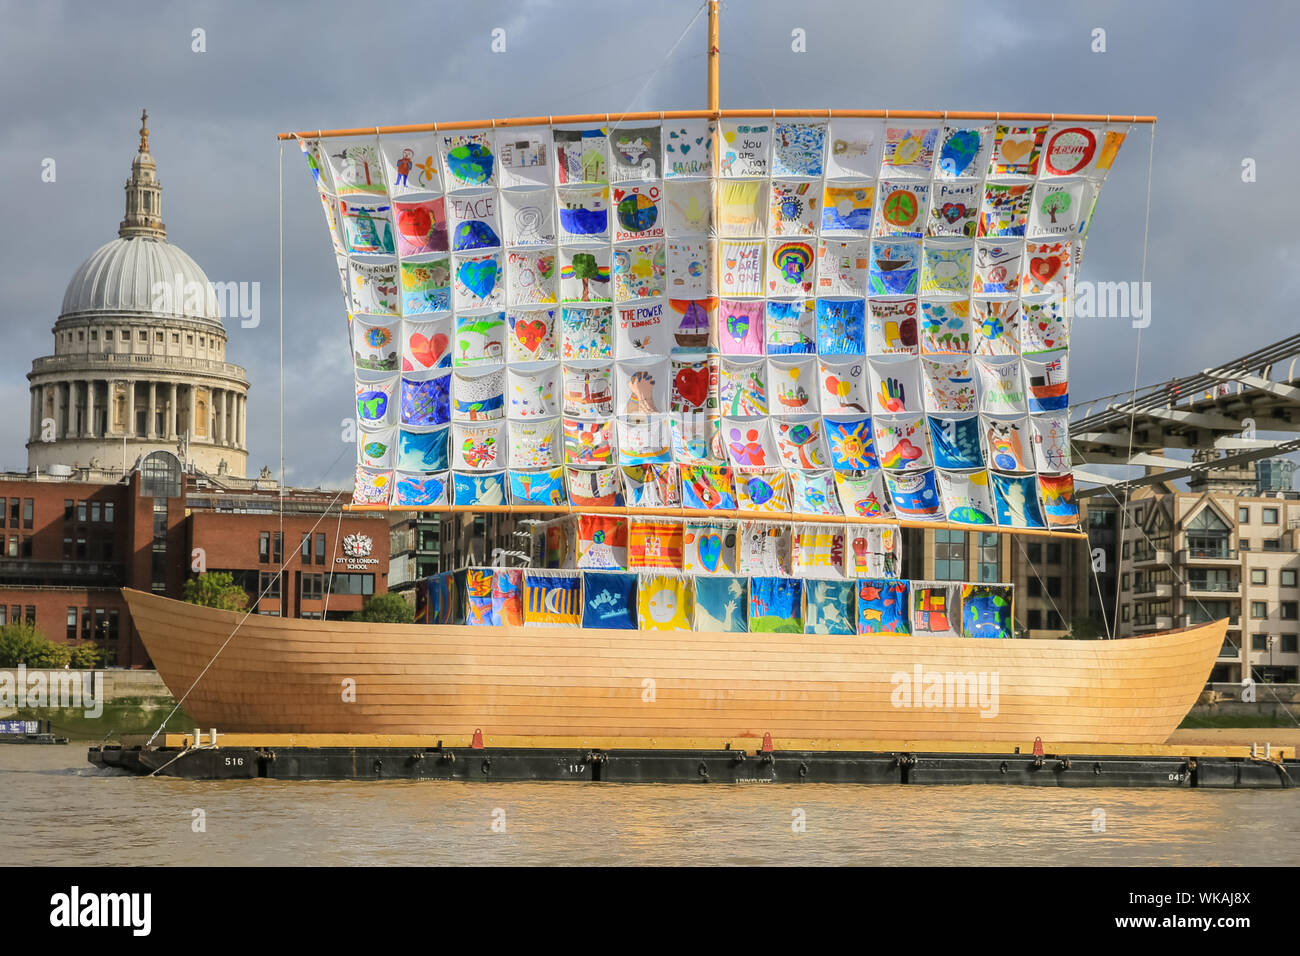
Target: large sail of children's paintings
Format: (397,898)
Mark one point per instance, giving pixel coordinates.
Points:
(802,316)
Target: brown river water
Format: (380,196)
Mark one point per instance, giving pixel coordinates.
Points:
(57,809)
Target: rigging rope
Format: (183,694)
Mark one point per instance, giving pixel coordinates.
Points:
(1137,356)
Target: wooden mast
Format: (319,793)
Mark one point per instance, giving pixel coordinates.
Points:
(714,105)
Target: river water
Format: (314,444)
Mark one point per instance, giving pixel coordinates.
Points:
(57,809)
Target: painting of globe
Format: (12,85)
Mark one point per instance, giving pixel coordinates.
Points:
(471,163)
(637,213)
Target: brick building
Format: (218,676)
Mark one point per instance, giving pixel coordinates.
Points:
(71,542)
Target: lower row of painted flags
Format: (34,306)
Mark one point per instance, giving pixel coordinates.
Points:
(670,602)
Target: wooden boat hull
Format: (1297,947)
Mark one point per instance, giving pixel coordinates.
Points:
(279,675)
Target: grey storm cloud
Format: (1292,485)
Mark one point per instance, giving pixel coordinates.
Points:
(75,76)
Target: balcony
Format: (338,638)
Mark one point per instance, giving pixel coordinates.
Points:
(25,572)
(1197,616)
(1149,591)
(1145,556)
(1224,555)
(1216,588)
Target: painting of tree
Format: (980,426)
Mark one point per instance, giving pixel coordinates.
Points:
(1054,202)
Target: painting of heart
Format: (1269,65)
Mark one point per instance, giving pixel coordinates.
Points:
(530,334)
(479,276)
(1045,268)
(692,386)
(427,350)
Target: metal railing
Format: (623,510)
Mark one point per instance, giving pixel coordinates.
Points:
(1216,587)
(1208,554)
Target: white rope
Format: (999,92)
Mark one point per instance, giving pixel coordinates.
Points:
(278,576)
(662,64)
(1137,362)
(329,570)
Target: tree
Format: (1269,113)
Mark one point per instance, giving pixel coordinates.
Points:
(21,643)
(1083,628)
(586,269)
(386,609)
(1053,203)
(216,589)
(88,656)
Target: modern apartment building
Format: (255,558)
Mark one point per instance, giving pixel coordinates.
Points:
(1212,552)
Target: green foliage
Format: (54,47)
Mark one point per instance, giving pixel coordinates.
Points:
(386,609)
(1084,628)
(88,656)
(216,589)
(21,643)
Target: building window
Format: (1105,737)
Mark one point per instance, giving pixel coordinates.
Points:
(305,551)
(1054,553)
(30,614)
(143,335)
(320,548)
(279,547)
(12,550)
(1259,642)
(313,587)
(176,338)
(124,335)
(67,509)
(988,556)
(1123,551)
(1259,609)
(1054,587)
(101,624)
(351,584)
(1123,582)
(1289,644)
(1244,544)
(264,547)
(1272,544)
(1259,576)
(1269,516)
(158,337)
(269,585)
(1034,552)
(950,555)
(1243,515)
(81,512)
(112,624)
(1035,587)
(1288,578)
(108,511)
(1289,610)
(94,512)
(85,623)
(1054,621)
(29,513)
(1034,619)
(71,633)
(15,504)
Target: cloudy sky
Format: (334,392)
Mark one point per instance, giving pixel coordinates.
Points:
(75,76)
